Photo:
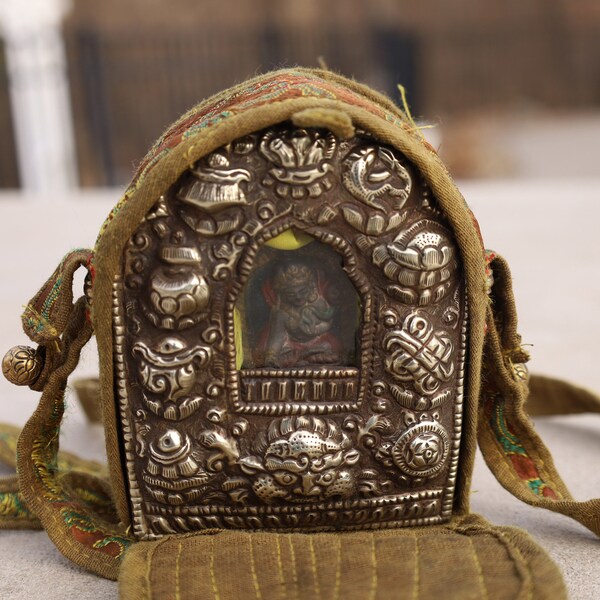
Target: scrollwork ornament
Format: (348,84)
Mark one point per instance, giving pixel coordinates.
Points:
(451,314)
(368,432)
(349,432)
(158,217)
(229,253)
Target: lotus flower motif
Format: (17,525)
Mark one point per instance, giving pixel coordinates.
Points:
(300,161)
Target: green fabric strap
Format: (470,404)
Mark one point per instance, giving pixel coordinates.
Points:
(510,446)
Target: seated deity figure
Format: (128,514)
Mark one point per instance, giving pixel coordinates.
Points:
(298,332)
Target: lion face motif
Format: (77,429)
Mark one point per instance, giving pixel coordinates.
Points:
(304,459)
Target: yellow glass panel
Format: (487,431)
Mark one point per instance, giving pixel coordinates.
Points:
(239,343)
(290,239)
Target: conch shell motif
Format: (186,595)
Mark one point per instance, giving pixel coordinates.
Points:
(420,261)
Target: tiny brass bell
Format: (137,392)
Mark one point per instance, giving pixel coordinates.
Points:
(22,365)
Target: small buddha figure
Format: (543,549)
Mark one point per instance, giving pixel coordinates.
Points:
(299,328)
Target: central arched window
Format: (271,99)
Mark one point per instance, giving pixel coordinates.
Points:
(298,307)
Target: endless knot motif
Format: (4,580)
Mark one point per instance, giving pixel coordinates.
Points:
(289,329)
(419,354)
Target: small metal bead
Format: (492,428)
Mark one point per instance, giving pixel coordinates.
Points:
(22,365)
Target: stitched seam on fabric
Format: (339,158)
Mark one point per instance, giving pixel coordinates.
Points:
(545,477)
(484,591)
(177,572)
(242,110)
(522,483)
(362,93)
(280,567)
(519,563)
(67,541)
(338,570)
(527,445)
(293,558)
(222,116)
(417,574)
(37,436)
(374,573)
(527,581)
(148,585)
(253,571)
(211,568)
(313,566)
(51,297)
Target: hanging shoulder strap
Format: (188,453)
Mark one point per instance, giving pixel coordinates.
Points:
(510,445)
(73,505)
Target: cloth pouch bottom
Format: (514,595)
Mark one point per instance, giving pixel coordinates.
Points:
(466,559)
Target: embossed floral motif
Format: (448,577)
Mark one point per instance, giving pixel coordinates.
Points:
(300,161)
(216,224)
(22,365)
(230,441)
(302,459)
(410,400)
(372,224)
(421,260)
(419,354)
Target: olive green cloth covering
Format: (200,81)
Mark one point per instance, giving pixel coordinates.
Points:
(88,518)
(466,560)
